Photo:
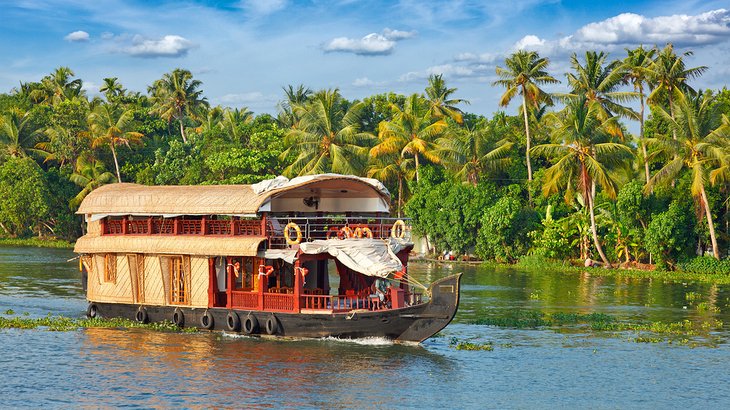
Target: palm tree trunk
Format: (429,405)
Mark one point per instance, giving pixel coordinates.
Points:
(641,135)
(116,163)
(415,155)
(591,196)
(400,194)
(527,136)
(182,131)
(710,224)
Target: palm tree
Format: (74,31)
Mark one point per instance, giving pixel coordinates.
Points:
(89,174)
(585,157)
(703,144)
(57,87)
(440,101)
(473,152)
(635,72)
(294,97)
(233,118)
(112,89)
(18,134)
(176,96)
(112,125)
(327,138)
(412,132)
(599,81)
(393,168)
(525,72)
(63,145)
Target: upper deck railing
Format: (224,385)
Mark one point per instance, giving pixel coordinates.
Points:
(274,228)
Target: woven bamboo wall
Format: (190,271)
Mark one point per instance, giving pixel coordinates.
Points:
(153,288)
(199,281)
(111,292)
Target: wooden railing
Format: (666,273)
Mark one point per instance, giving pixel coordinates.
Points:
(340,303)
(179,226)
(246,300)
(278,302)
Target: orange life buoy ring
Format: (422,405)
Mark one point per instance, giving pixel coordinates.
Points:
(345,233)
(397,232)
(365,231)
(287,236)
(333,230)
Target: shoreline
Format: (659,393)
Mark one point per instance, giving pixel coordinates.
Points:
(563,267)
(36,243)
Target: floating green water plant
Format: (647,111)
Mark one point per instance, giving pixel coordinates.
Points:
(62,323)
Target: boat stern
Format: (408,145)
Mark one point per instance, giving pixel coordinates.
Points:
(439,311)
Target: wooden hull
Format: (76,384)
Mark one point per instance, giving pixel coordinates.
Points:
(410,324)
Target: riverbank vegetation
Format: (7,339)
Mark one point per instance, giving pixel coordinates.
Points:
(559,177)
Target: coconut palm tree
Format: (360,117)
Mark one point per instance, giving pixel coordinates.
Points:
(327,138)
(295,96)
(393,168)
(412,132)
(58,86)
(702,147)
(635,67)
(233,118)
(474,151)
(176,96)
(440,101)
(599,82)
(525,72)
(112,89)
(18,134)
(585,157)
(89,174)
(110,125)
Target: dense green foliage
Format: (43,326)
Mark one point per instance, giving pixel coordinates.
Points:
(561,178)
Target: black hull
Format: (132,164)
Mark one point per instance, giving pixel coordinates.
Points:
(411,324)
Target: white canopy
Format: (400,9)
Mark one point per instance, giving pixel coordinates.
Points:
(371,257)
(284,182)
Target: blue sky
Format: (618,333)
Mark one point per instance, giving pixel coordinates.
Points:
(246,51)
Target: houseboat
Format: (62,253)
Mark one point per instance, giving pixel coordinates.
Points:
(313,256)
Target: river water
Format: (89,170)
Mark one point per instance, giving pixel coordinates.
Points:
(546,367)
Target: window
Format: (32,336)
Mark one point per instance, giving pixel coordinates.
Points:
(110,268)
(179,281)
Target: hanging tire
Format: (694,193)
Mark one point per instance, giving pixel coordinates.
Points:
(233,322)
(141,315)
(272,325)
(206,321)
(250,325)
(178,318)
(92,311)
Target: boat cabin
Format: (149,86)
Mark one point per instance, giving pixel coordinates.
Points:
(314,244)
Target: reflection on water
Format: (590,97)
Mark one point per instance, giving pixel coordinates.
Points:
(528,368)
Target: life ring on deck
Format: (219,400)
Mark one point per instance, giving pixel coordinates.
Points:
(287,236)
(178,318)
(364,231)
(344,233)
(92,311)
(250,324)
(233,322)
(141,316)
(397,232)
(272,325)
(206,321)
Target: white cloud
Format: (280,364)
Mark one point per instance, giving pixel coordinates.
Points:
(77,36)
(167,46)
(254,99)
(263,7)
(476,58)
(90,87)
(629,29)
(365,82)
(449,71)
(373,44)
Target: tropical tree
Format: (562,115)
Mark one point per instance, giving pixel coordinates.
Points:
(295,96)
(584,159)
(327,138)
(112,126)
(525,72)
(412,132)
(635,67)
(702,147)
(89,174)
(599,82)
(58,86)
(440,101)
(474,151)
(393,168)
(233,118)
(176,96)
(112,89)
(18,133)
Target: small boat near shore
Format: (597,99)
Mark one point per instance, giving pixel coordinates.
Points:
(315,256)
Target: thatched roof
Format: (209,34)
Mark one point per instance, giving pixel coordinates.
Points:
(176,245)
(134,199)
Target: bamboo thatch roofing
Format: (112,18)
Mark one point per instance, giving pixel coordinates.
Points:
(134,199)
(176,245)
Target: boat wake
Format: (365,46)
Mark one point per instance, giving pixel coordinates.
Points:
(365,341)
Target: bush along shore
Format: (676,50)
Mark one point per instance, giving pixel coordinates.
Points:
(37,242)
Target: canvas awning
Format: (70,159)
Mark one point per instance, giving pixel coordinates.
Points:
(176,245)
(371,257)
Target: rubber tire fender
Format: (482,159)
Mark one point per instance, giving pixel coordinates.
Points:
(272,325)
(178,318)
(233,322)
(141,316)
(250,324)
(206,321)
(92,311)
